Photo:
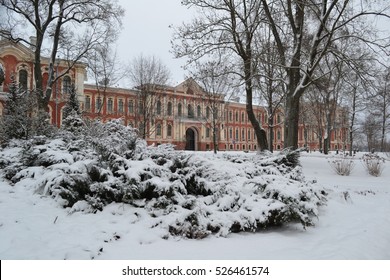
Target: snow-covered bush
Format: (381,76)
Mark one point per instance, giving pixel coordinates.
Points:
(190,195)
(374,164)
(114,138)
(74,123)
(342,165)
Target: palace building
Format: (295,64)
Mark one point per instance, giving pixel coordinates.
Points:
(183,115)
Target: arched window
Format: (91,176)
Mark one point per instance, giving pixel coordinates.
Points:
(215,113)
(98,105)
(140,107)
(243,134)
(158,107)
(230,116)
(242,117)
(249,134)
(199,111)
(169,130)
(207,132)
(169,108)
(208,112)
(130,106)
(120,106)
(190,111)
(23,78)
(278,135)
(87,106)
(110,106)
(236,116)
(237,135)
(158,129)
(66,85)
(179,109)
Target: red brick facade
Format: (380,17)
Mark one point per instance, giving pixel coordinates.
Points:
(181,114)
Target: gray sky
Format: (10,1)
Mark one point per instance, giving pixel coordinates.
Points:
(146,31)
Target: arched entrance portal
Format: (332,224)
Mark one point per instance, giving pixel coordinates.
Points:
(191,139)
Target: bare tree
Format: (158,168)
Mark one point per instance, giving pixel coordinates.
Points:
(217,85)
(53,22)
(380,104)
(269,80)
(104,68)
(371,129)
(306,32)
(149,76)
(228,27)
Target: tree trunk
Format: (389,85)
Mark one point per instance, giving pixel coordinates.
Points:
(261,135)
(38,71)
(214,132)
(326,145)
(291,127)
(384,114)
(51,79)
(352,122)
(271,134)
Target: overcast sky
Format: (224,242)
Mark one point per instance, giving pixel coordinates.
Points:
(146,30)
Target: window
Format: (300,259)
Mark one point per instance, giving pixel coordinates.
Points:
(169,130)
(215,113)
(243,117)
(231,133)
(99,104)
(158,129)
(230,116)
(131,107)
(278,135)
(87,103)
(190,111)
(207,132)
(179,109)
(23,77)
(169,108)
(243,134)
(120,106)
(249,134)
(236,116)
(140,107)
(199,111)
(208,112)
(237,134)
(158,107)
(110,106)
(66,85)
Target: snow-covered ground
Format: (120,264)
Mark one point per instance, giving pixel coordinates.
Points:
(355,224)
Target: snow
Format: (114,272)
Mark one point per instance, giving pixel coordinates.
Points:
(355,223)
